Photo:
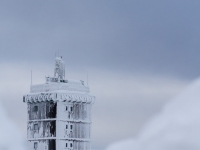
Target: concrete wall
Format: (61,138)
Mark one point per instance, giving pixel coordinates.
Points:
(67,129)
(80,111)
(42,145)
(61,145)
(68,123)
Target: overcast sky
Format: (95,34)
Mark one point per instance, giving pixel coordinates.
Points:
(138,55)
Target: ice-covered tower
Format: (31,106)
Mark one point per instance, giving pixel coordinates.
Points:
(59,113)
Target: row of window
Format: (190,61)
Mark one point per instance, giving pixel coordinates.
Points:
(35,127)
(71,127)
(35,108)
(71,108)
(71,145)
(36,145)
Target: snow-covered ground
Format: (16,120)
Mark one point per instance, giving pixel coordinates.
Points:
(177,127)
(10,136)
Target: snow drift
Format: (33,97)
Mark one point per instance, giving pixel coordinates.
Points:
(10,137)
(177,127)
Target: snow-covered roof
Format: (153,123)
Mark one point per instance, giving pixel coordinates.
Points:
(59,89)
(72,91)
(69,85)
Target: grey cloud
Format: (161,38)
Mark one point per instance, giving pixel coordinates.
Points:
(130,36)
(124,38)
(124,104)
(176,127)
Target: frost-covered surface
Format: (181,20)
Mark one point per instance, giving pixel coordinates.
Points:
(10,136)
(71,85)
(59,96)
(177,127)
(59,113)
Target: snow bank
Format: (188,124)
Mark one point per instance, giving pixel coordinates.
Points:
(177,127)
(10,137)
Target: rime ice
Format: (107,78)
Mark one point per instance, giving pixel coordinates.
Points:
(59,113)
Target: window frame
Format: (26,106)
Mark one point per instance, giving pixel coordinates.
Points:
(66,108)
(35,108)
(34,127)
(35,145)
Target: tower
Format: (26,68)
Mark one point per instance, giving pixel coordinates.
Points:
(59,113)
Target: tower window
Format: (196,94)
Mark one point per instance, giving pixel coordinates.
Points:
(71,126)
(35,127)
(35,145)
(66,126)
(71,145)
(66,144)
(71,108)
(66,108)
(35,108)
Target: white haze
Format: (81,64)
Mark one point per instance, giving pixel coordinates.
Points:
(10,136)
(177,127)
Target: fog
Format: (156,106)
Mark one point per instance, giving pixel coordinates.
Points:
(176,127)
(11,137)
